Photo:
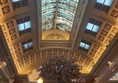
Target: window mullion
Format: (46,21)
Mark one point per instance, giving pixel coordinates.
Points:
(104,2)
(84,45)
(20,3)
(24,25)
(93,25)
(28,45)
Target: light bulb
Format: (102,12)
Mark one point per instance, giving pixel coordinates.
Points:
(40,80)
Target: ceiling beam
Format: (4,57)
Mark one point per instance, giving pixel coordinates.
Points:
(56,14)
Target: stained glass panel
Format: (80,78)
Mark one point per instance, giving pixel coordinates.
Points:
(58,14)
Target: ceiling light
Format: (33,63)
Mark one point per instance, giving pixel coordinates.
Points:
(40,80)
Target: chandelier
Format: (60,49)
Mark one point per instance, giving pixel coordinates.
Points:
(59,69)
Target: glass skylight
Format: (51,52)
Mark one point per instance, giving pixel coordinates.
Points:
(105,2)
(58,14)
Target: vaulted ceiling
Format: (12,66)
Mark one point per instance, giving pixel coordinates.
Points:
(38,29)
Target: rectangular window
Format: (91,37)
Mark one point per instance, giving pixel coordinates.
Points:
(85,45)
(15,0)
(93,27)
(19,3)
(27,45)
(103,4)
(24,25)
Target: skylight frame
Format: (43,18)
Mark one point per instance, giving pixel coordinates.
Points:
(66,10)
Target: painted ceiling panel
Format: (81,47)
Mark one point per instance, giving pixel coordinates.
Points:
(58,14)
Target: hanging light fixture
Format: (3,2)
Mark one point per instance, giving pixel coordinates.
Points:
(60,70)
(40,80)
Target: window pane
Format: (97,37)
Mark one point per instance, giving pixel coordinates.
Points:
(89,26)
(108,2)
(21,27)
(27,25)
(25,46)
(87,46)
(30,44)
(15,0)
(100,1)
(95,28)
(82,44)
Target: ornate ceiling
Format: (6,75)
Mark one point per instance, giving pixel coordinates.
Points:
(37,30)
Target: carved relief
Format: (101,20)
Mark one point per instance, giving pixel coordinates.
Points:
(114,14)
(6,10)
(42,55)
(55,37)
(107,41)
(110,36)
(104,33)
(10,24)
(115,30)
(101,38)
(107,26)
(11,31)
(3,1)
(14,37)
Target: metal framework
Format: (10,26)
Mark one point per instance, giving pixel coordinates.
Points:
(58,14)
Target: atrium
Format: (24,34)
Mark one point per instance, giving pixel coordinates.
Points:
(33,31)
